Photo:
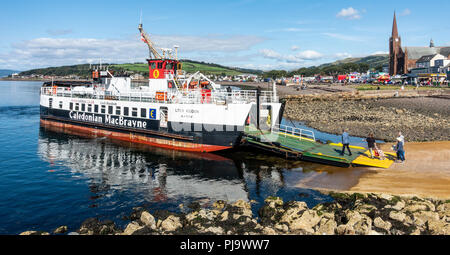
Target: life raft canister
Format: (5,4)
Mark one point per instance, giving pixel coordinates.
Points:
(161,96)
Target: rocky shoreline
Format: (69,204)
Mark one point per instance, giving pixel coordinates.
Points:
(419,118)
(348,214)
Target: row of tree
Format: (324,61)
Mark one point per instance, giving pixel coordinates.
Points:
(328,70)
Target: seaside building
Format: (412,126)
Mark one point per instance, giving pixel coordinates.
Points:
(403,59)
(429,60)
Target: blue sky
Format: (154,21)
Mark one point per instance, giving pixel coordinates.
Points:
(263,34)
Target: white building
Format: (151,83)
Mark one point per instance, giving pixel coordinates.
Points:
(246,77)
(429,60)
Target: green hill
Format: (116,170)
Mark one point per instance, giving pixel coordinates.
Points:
(348,65)
(188,65)
(374,61)
(80,70)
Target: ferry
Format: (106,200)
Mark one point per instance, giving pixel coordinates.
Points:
(174,110)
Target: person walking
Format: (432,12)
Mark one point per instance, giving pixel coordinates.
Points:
(400,147)
(345,142)
(371,144)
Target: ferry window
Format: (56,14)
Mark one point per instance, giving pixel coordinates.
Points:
(126,111)
(153,65)
(134,112)
(60,104)
(89,108)
(96,108)
(160,65)
(110,109)
(77,107)
(71,106)
(103,108)
(143,113)
(83,107)
(117,110)
(169,66)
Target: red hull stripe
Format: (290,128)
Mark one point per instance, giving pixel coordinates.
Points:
(130,137)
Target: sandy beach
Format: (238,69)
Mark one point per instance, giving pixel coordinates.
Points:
(425,173)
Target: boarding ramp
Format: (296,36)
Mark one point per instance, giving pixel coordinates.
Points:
(301,144)
(294,132)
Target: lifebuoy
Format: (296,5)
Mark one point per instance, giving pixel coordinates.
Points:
(156,74)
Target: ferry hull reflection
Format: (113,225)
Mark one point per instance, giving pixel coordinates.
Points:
(163,178)
(163,173)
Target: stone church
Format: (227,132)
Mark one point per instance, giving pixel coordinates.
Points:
(403,59)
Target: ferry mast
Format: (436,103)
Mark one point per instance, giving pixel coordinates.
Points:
(151,48)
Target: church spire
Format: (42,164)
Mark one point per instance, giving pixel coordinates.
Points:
(394,27)
(431,43)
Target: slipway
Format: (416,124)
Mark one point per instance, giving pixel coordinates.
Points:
(301,144)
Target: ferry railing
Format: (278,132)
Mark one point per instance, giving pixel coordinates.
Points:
(293,131)
(183,97)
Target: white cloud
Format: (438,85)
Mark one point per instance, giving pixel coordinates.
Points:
(380,53)
(270,54)
(342,55)
(276,66)
(309,55)
(344,37)
(291,58)
(349,13)
(295,48)
(43,52)
(405,12)
(209,43)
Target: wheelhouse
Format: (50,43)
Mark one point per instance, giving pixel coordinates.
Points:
(161,68)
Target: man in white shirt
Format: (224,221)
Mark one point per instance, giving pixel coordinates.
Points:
(400,148)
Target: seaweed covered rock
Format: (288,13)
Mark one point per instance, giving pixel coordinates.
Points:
(93,226)
(306,222)
(171,223)
(148,219)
